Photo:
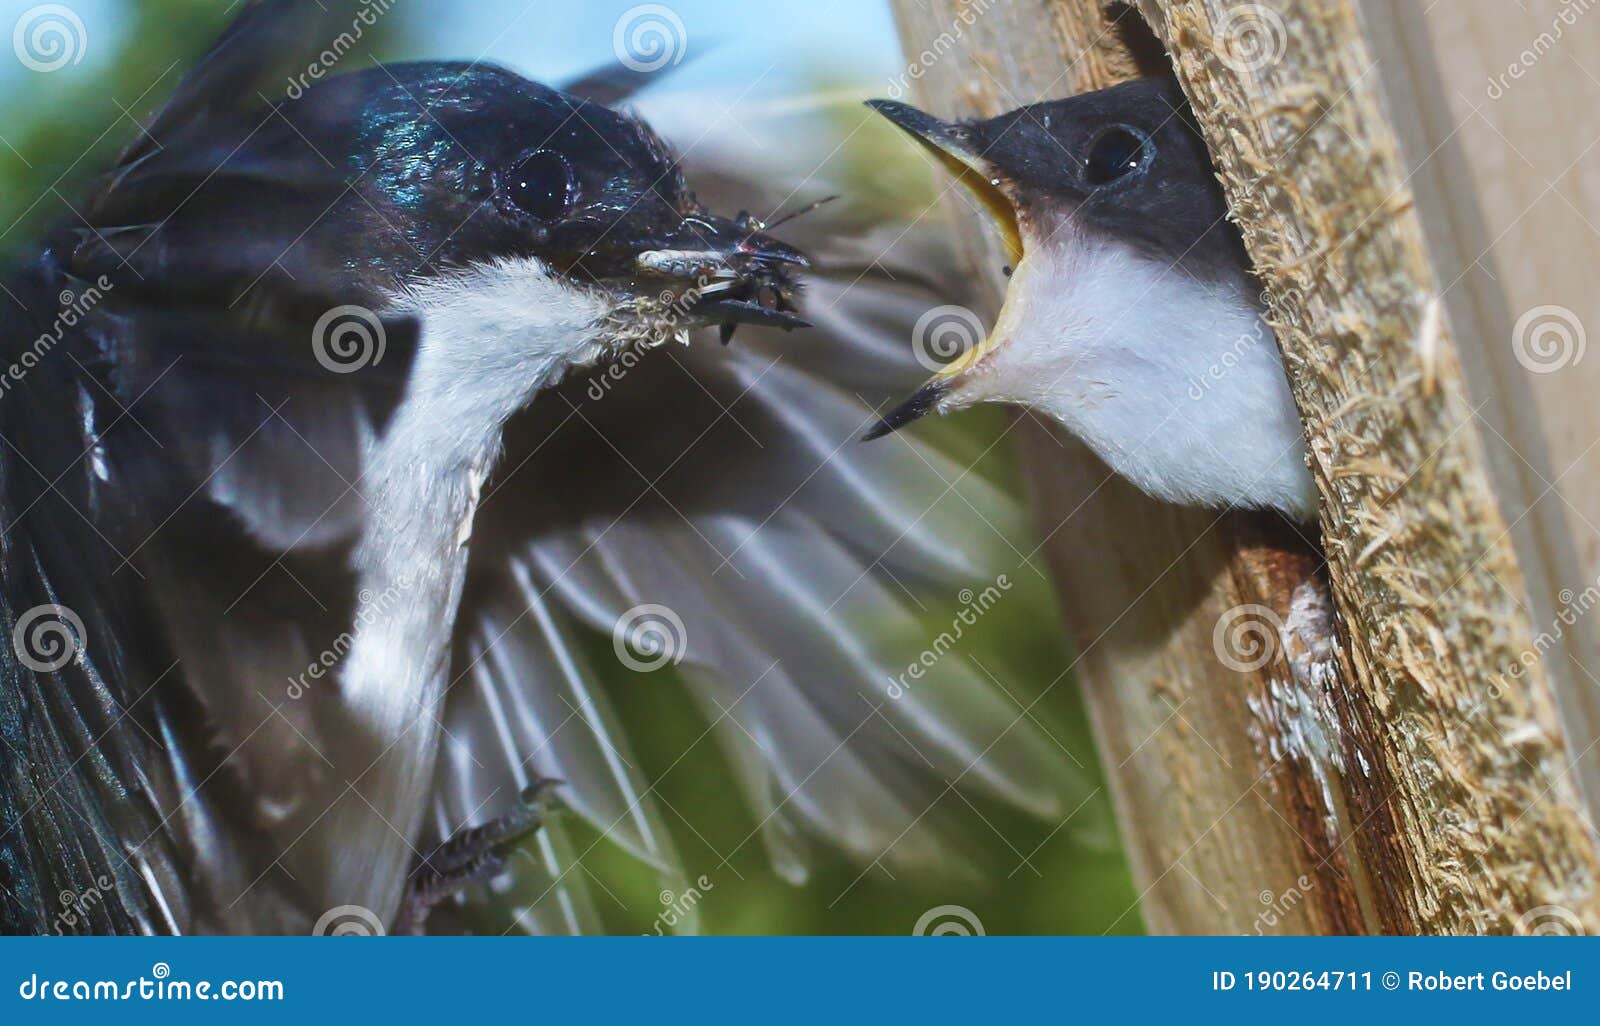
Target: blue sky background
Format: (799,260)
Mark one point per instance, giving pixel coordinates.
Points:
(554,39)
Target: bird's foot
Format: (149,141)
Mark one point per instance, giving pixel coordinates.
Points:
(473,855)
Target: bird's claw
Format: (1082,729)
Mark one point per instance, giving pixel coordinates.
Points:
(472,855)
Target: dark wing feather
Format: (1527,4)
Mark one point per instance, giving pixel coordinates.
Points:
(177,472)
(84,784)
(610,84)
(254,57)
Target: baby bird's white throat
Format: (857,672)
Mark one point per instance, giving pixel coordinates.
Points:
(1176,384)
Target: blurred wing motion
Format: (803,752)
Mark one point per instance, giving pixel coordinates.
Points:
(711,507)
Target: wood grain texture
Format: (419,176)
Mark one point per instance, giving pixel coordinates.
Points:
(1504,164)
(1489,827)
(1375,769)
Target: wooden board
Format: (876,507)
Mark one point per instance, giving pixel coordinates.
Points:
(1386,779)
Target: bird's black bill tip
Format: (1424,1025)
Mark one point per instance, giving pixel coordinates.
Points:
(920,124)
(896,111)
(883,427)
(730,312)
(922,402)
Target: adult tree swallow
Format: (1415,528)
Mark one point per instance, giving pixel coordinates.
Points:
(1131,316)
(299,577)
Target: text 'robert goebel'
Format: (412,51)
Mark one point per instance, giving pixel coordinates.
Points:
(1413,980)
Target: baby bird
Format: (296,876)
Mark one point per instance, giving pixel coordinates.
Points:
(1131,316)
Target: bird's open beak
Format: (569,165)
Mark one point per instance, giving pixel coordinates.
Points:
(953,146)
(725,272)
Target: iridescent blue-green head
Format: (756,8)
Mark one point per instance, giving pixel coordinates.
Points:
(371,182)
(453,165)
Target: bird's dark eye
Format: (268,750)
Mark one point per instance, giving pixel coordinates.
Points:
(1115,153)
(542,185)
